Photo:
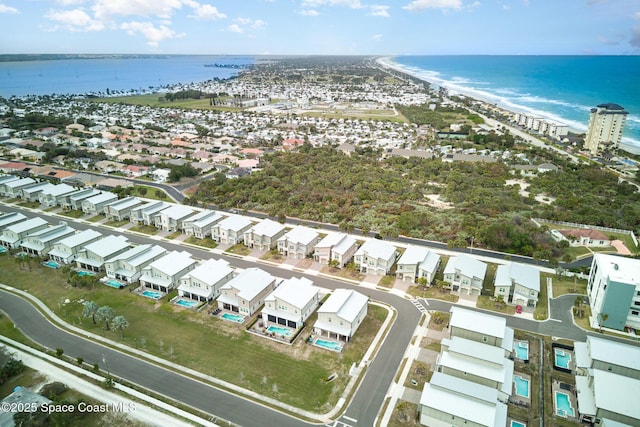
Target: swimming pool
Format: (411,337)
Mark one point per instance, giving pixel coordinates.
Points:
(152,294)
(563,405)
(51,264)
(522,386)
(562,358)
(515,423)
(3,249)
(522,350)
(233,317)
(329,345)
(186,303)
(279,330)
(86,273)
(114,284)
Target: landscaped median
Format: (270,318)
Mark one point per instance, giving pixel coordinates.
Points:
(294,375)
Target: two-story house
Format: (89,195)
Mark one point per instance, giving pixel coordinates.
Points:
(245,293)
(172,218)
(39,243)
(376,257)
(201,224)
(13,235)
(93,256)
(74,200)
(341,314)
(465,274)
(291,303)
(518,284)
(51,196)
(66,250)
(121,209)
(95,205)
(127,266)
(417,262)
(4,179)
(298,242)
(13,188)
(10,218)
(264,235)
(163,274)
(31,193)
(204,282)
(230,230)
(148,213)
(340,247)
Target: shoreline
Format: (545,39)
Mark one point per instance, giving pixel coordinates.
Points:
(628,144)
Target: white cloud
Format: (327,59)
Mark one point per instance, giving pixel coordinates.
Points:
(108,9)
(379,10)
(8,9)
(376,37)
(353,4)
(206,11)
(235,28)
(636,15)
(416,5)
(70,2)
(153,34)
(258,23)
(75,20)
(309,12)
(243,21)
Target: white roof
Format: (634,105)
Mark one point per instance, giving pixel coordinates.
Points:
(522,274)
(139,254)
(346,303)
(27,225)
(479,391)
(586,402)
(100,198)
(107,245)
(616,393)
(177,212)
(250,283)
(40,186)
(85,193)
(614,352)
(10,218)
(483,323)
(267,227)
(19,183)
(58,190)
(211,271)
(295,291)
(345,244)
(619,269)
(202,215)
(414,255)
(431,262)
(330,240)
(303,235)
(378,249)
(468,266)
(465,364)
(79,238)
(173,262)
(125,203)
(7,178)
(51,233)
(234,223)
(475,349)
(151,207)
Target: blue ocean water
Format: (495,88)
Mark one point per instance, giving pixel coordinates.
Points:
(560,88)
(91,75)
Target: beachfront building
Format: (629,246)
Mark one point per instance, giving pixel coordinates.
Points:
(231,230)
(95,205)
(39,243)
(127,266)
(163,274)
(299,242)
(52,196)
(418,262)
(607,382)
(204,282)
(13,235)
(74,200)
(10,218)
(201,224)
(518,284)
(606,125)
(451,401)
(465,274)
(341,314)
(375,257)
(94,255)
(31,193)
(246,292)
(338,247)
(121,209)
(147,213)
(264,235)
(291,303)
(614,292)
(66,250)
(12,188)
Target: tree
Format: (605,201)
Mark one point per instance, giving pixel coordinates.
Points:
(119,323)
(603,318)
(578,306)
(90,310)
(105,313)
(142,191)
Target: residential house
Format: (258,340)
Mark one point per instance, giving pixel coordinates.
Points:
(13,235)
(204,282)
(121,209)
(171,218)
(95,205)
(518,284)
(4,179)
(481,327)
(376,257)
(94,255)
(74,200)
(40,242)
(418,262)
(201,224)
(582,237)
(66,250)
(13,188)
(31,193)
(21,397)
(128,265)
(291,303)
(148,213)
(10,218)
(136,171)
(340,247)
(230,230)
(607,382)
(614,292)
(465,274)
(163,274)
(246,292)
(264,235)
(51,196)
(341,314)
(299,242)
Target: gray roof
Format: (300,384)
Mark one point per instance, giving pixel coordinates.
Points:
(19,183)
(125,203)
(100,198)
(522,274)
(27,225)
(10,218)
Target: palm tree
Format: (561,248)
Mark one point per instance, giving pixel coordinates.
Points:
(578,305)
(90,310)
(119,323)
(105,313)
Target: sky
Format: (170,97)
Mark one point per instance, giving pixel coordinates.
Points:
(304,27)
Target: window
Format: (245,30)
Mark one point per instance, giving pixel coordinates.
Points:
(635,312)
(484,339)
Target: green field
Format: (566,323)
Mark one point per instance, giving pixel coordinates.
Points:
(153,100)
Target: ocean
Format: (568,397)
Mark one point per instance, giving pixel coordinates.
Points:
(115,73)
(559,88)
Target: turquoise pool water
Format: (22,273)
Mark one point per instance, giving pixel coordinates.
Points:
(279,330)
(114,284)
(522,350)
(563,405)
(86,273)
(3,249)
(517,424)
(522,386)
(51,264)
(233,317)
(152,294)
(186,303)
(562,358)
(330,345)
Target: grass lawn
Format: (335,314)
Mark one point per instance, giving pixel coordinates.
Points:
(432,292)
(345,273)
(420,373)
(489,279)
(72,214)
(153,100)
(404,414)
(487,303)
(577,252)
(174,235)
(117,223)
(387,282)
(207,242)
(51,209)
(31,205)
(298,373)
(273,256)
(149,192)
(565,285)
(97,218)
(144,229)
(239,249)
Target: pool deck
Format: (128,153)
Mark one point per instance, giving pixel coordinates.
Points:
(516,398)
(572,359)
(573,400)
